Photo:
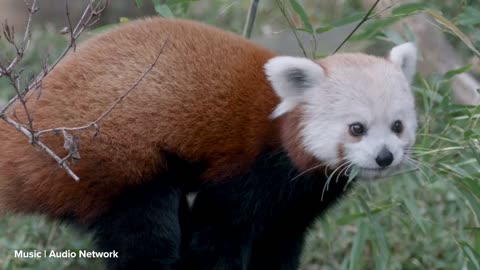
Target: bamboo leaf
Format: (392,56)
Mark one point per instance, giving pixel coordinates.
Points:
(372,29)
(452,73)
(470,253)
(470,17)
(358,246)
(348,219)
(452,27)
(474,203)
(475,151)
(410,8)
(298,8)
(379,233)
(323,29)
(349,19)
(162,9)
(414,212)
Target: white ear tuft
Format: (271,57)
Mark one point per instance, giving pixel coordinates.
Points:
(290,77)
(405,57)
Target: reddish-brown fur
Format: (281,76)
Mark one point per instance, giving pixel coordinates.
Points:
(206,99)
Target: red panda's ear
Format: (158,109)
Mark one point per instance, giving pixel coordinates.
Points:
(405,57)
(290,78)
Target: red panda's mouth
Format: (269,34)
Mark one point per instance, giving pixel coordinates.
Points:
(376,173)
(374,169)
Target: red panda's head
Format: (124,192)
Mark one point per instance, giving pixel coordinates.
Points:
(360,104)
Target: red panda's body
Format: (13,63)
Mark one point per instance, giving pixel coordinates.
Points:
(214,99)
(206,99)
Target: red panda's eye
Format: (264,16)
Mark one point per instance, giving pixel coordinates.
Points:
(397,127)
(357,129)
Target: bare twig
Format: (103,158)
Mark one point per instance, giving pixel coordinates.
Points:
(95,123)
(15,82)
(71,142)
(9,36)
(70,27)
(42,146)
(364,19)
(9,71)
(90,15)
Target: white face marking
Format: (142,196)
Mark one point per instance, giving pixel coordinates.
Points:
(355,88)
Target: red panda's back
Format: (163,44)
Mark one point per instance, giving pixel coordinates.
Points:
(206,99)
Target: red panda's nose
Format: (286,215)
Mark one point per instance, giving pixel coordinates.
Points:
(384,158)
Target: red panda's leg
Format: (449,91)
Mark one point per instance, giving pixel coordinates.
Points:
(258,220)
(278,248)
(143,227)
(148,224)
(218,241)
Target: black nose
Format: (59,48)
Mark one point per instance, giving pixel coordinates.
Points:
(384,158)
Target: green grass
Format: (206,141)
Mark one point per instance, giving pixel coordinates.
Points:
(424,219)
(36,233)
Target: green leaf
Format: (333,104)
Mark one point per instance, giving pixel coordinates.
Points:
(373,28)
(452,73)
(414,212)
(472,186)
(452,27)
(409,32)
(349,19)
(358,246)
(379,233)
(410,8)
(162,9)
(176,2)
(456,169)
(298,8)
(472,200)
(323,29)
(394,37)
(139,3)
(475,151)
(469,17)
(470,253)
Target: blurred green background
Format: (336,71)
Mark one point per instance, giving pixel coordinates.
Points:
(424,218)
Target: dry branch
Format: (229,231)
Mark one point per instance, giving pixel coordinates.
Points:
(71,142)
(11,71)
(95,123)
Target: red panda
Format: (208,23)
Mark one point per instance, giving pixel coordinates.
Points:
(212,98)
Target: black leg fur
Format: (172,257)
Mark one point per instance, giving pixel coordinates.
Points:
(258,220)
(148,225)
(143,227)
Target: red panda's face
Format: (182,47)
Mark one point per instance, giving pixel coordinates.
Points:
(357,110)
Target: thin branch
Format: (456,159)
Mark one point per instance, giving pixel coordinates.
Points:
(45,148)
(114,104)
(364,19)
(15,82)
(252,14)
(9,71)
(26,40)
(281,6)
(70,27)
(383,10)
(87,19)
(90,15)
